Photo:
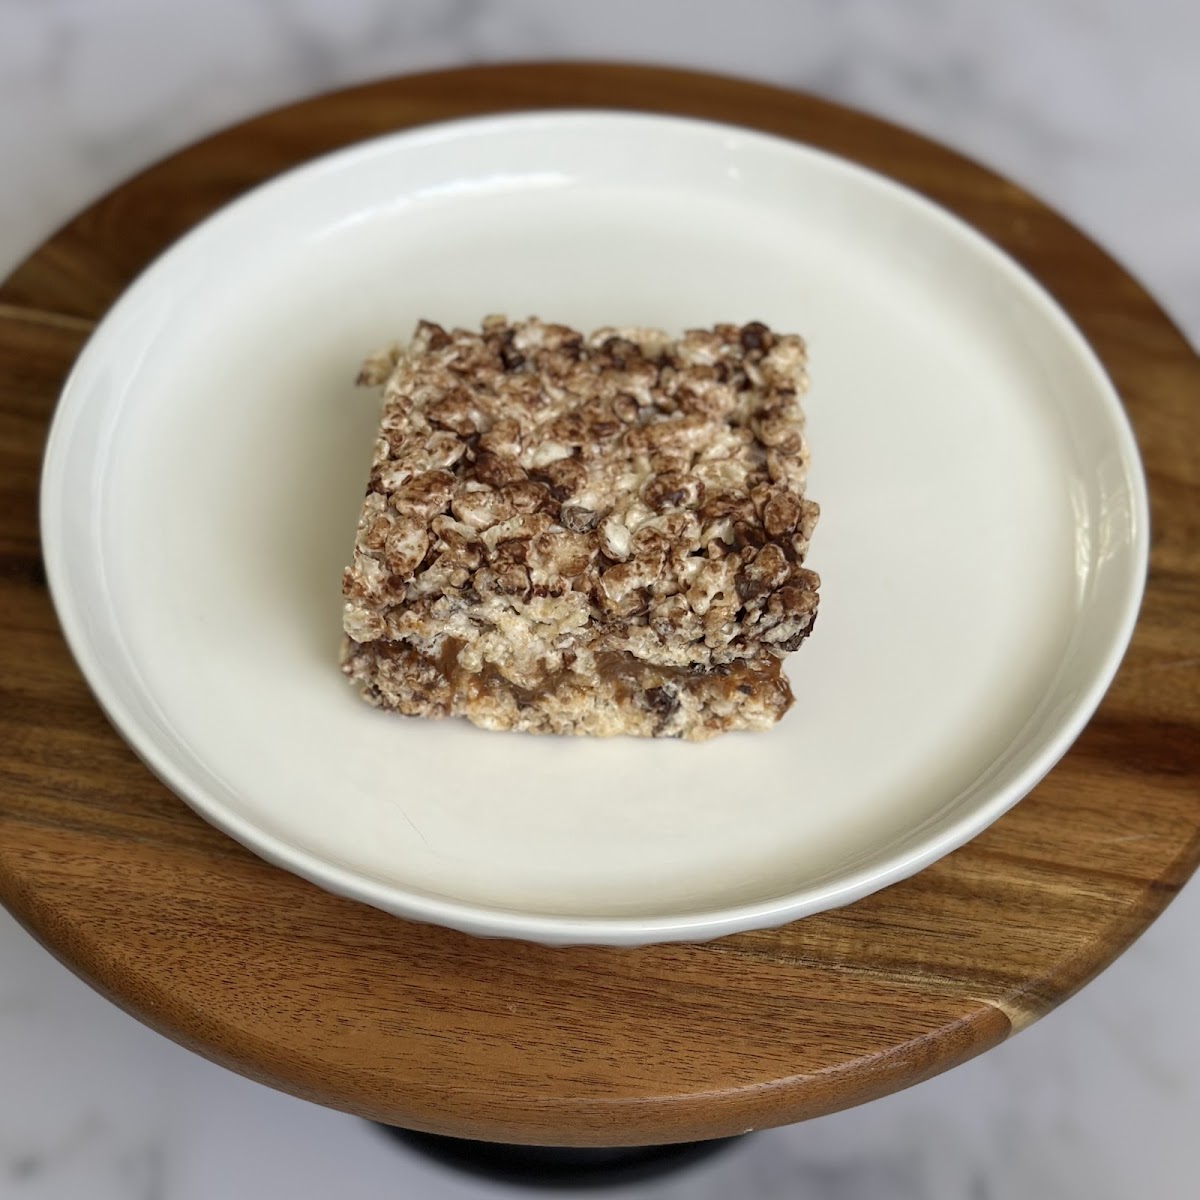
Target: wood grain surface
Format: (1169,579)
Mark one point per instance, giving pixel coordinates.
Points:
(423,1027)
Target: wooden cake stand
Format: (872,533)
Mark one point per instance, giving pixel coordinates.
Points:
(429,1029)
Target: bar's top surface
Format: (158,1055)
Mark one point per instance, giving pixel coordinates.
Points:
(645,490)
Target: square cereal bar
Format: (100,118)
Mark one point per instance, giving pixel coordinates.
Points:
(587,535)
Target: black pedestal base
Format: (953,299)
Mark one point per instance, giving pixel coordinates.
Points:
(558,1166)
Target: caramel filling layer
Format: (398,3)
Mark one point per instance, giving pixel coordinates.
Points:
(631,680)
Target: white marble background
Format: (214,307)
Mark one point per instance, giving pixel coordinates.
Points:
(1094,104)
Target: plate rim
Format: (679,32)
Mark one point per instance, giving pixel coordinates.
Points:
(498,921)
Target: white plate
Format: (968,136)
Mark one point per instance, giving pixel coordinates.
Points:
(983,543)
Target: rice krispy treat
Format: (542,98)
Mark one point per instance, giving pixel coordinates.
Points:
(586,535)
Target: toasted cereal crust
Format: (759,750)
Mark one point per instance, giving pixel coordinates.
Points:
(598,535)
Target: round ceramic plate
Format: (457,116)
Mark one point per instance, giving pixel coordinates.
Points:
(982,546)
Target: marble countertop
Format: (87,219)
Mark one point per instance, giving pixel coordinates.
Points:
(1091,105)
